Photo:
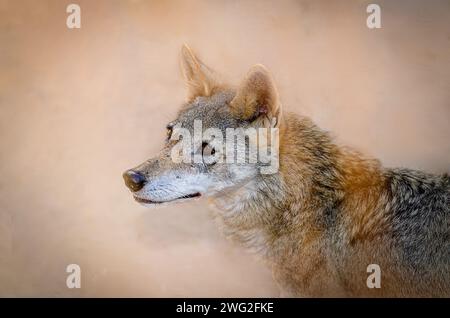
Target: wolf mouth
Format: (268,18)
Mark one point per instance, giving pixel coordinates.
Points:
(147,201)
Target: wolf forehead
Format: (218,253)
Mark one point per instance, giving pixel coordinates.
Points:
(213,112)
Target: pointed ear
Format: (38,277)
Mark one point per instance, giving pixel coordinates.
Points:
(198,77)
(257,98)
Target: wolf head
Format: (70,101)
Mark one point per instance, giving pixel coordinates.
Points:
(222,139)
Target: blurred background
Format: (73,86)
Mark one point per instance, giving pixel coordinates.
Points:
(79,106)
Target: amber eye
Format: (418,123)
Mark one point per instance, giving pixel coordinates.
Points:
(208,151)
(169,132)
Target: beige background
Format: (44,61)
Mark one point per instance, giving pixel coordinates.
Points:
(77,107)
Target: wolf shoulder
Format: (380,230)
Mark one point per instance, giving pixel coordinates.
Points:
(419,204)
(417,194)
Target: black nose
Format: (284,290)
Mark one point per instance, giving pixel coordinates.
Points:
(134,180)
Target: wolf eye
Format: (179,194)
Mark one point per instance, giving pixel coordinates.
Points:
(208,151)
(169,132)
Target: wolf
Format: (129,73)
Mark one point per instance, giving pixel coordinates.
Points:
(324,217)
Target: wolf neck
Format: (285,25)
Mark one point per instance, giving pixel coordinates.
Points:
(301,200)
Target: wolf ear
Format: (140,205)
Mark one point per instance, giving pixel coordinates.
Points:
(257,98)
(198,77)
